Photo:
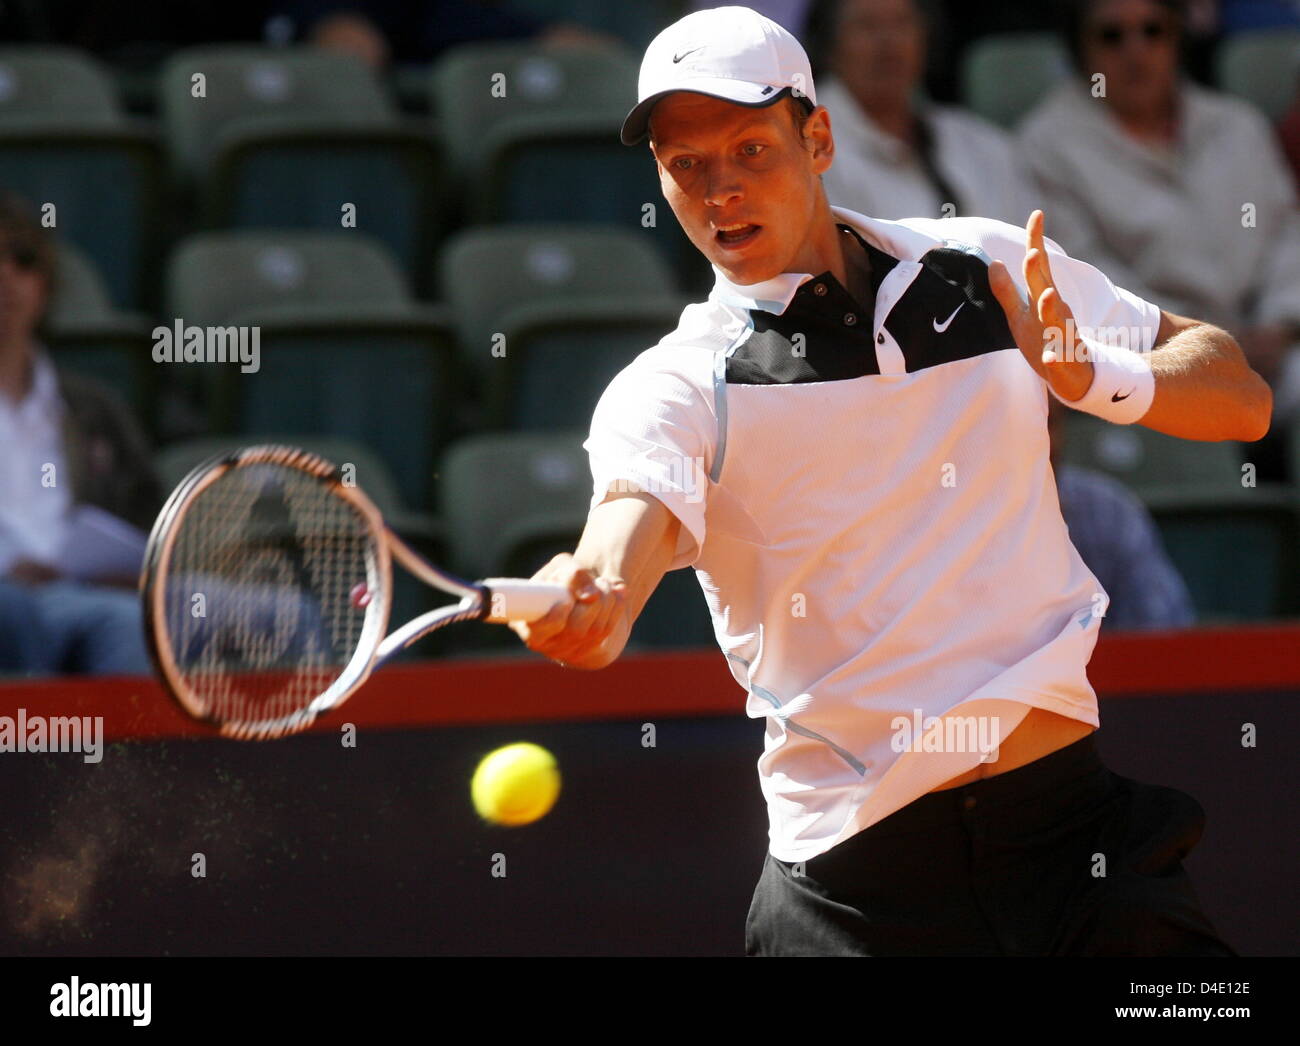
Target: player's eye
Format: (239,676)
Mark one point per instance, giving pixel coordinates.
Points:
(683,163)
(752,148)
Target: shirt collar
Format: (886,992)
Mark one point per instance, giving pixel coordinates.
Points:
(775,295)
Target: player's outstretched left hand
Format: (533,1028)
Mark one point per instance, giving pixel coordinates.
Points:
(1044,328)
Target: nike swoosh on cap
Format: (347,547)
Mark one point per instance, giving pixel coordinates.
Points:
(1116,397)
(678,57)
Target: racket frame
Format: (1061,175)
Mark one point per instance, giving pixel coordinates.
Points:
(372,649)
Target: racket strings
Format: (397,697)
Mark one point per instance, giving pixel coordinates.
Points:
(271,583)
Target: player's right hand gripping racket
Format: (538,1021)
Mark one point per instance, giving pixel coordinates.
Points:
(267,586)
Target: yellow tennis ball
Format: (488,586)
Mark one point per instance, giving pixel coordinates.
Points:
(516,784)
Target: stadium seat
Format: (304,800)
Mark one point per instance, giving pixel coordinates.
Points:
(287,137)
(500,491)
(1261,66)
(560,356)
(484,272)
(344,350)
(1152,464)
(1240,555)
(511,502)
(562,308)
(561,112)
(65,142)
(1235,543)
(85,333)
(1005,75)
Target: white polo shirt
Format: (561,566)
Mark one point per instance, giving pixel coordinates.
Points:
(869,507)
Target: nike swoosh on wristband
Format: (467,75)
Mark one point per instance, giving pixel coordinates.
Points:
(678,57)
(941,327)
(1116,397)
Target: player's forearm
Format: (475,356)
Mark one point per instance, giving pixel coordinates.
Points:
(1206,390)
(633,544)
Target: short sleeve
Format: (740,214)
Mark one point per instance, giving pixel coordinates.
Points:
(1102,311)
(654,431)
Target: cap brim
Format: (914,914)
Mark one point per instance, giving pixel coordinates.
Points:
(754,96)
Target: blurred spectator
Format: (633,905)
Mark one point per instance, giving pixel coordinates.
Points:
(397,32)
(65,443)
(1118,541)
(898,155)
(1177,193)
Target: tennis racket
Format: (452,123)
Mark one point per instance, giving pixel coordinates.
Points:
(267,588)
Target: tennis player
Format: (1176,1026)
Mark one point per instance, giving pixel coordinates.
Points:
(848,443)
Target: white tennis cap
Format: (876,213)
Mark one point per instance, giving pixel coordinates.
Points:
(732,53)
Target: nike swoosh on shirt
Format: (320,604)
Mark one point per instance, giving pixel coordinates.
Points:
(941,327)
(678,57)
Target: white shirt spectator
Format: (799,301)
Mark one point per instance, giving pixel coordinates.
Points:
(877,174)
(1207,228)
(33,514)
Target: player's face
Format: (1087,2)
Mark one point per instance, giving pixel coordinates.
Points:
(742,183)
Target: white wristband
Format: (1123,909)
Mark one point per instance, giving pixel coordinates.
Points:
(1122,384)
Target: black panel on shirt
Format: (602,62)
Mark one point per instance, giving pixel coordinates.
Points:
(951,290)
(830,350)
(950,280)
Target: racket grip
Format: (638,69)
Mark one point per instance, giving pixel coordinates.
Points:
(513,599)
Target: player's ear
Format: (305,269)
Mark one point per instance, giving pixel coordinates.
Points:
(818,139)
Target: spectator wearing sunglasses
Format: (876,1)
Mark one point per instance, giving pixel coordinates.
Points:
(65,442)
(1178,193)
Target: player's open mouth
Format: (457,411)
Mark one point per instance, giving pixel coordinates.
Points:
(737,235)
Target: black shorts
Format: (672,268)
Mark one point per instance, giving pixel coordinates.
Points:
(1058,857)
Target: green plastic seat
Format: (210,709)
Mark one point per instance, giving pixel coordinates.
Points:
(561,354)
(87,334)
(511,502)
(1261,66)
(1155,466)
(485,272)
(1005,75)
(49,85)
(485,95)
(344,350)
(500,491)
(561,112)
(286,137)
(64,141)
(1240,556)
